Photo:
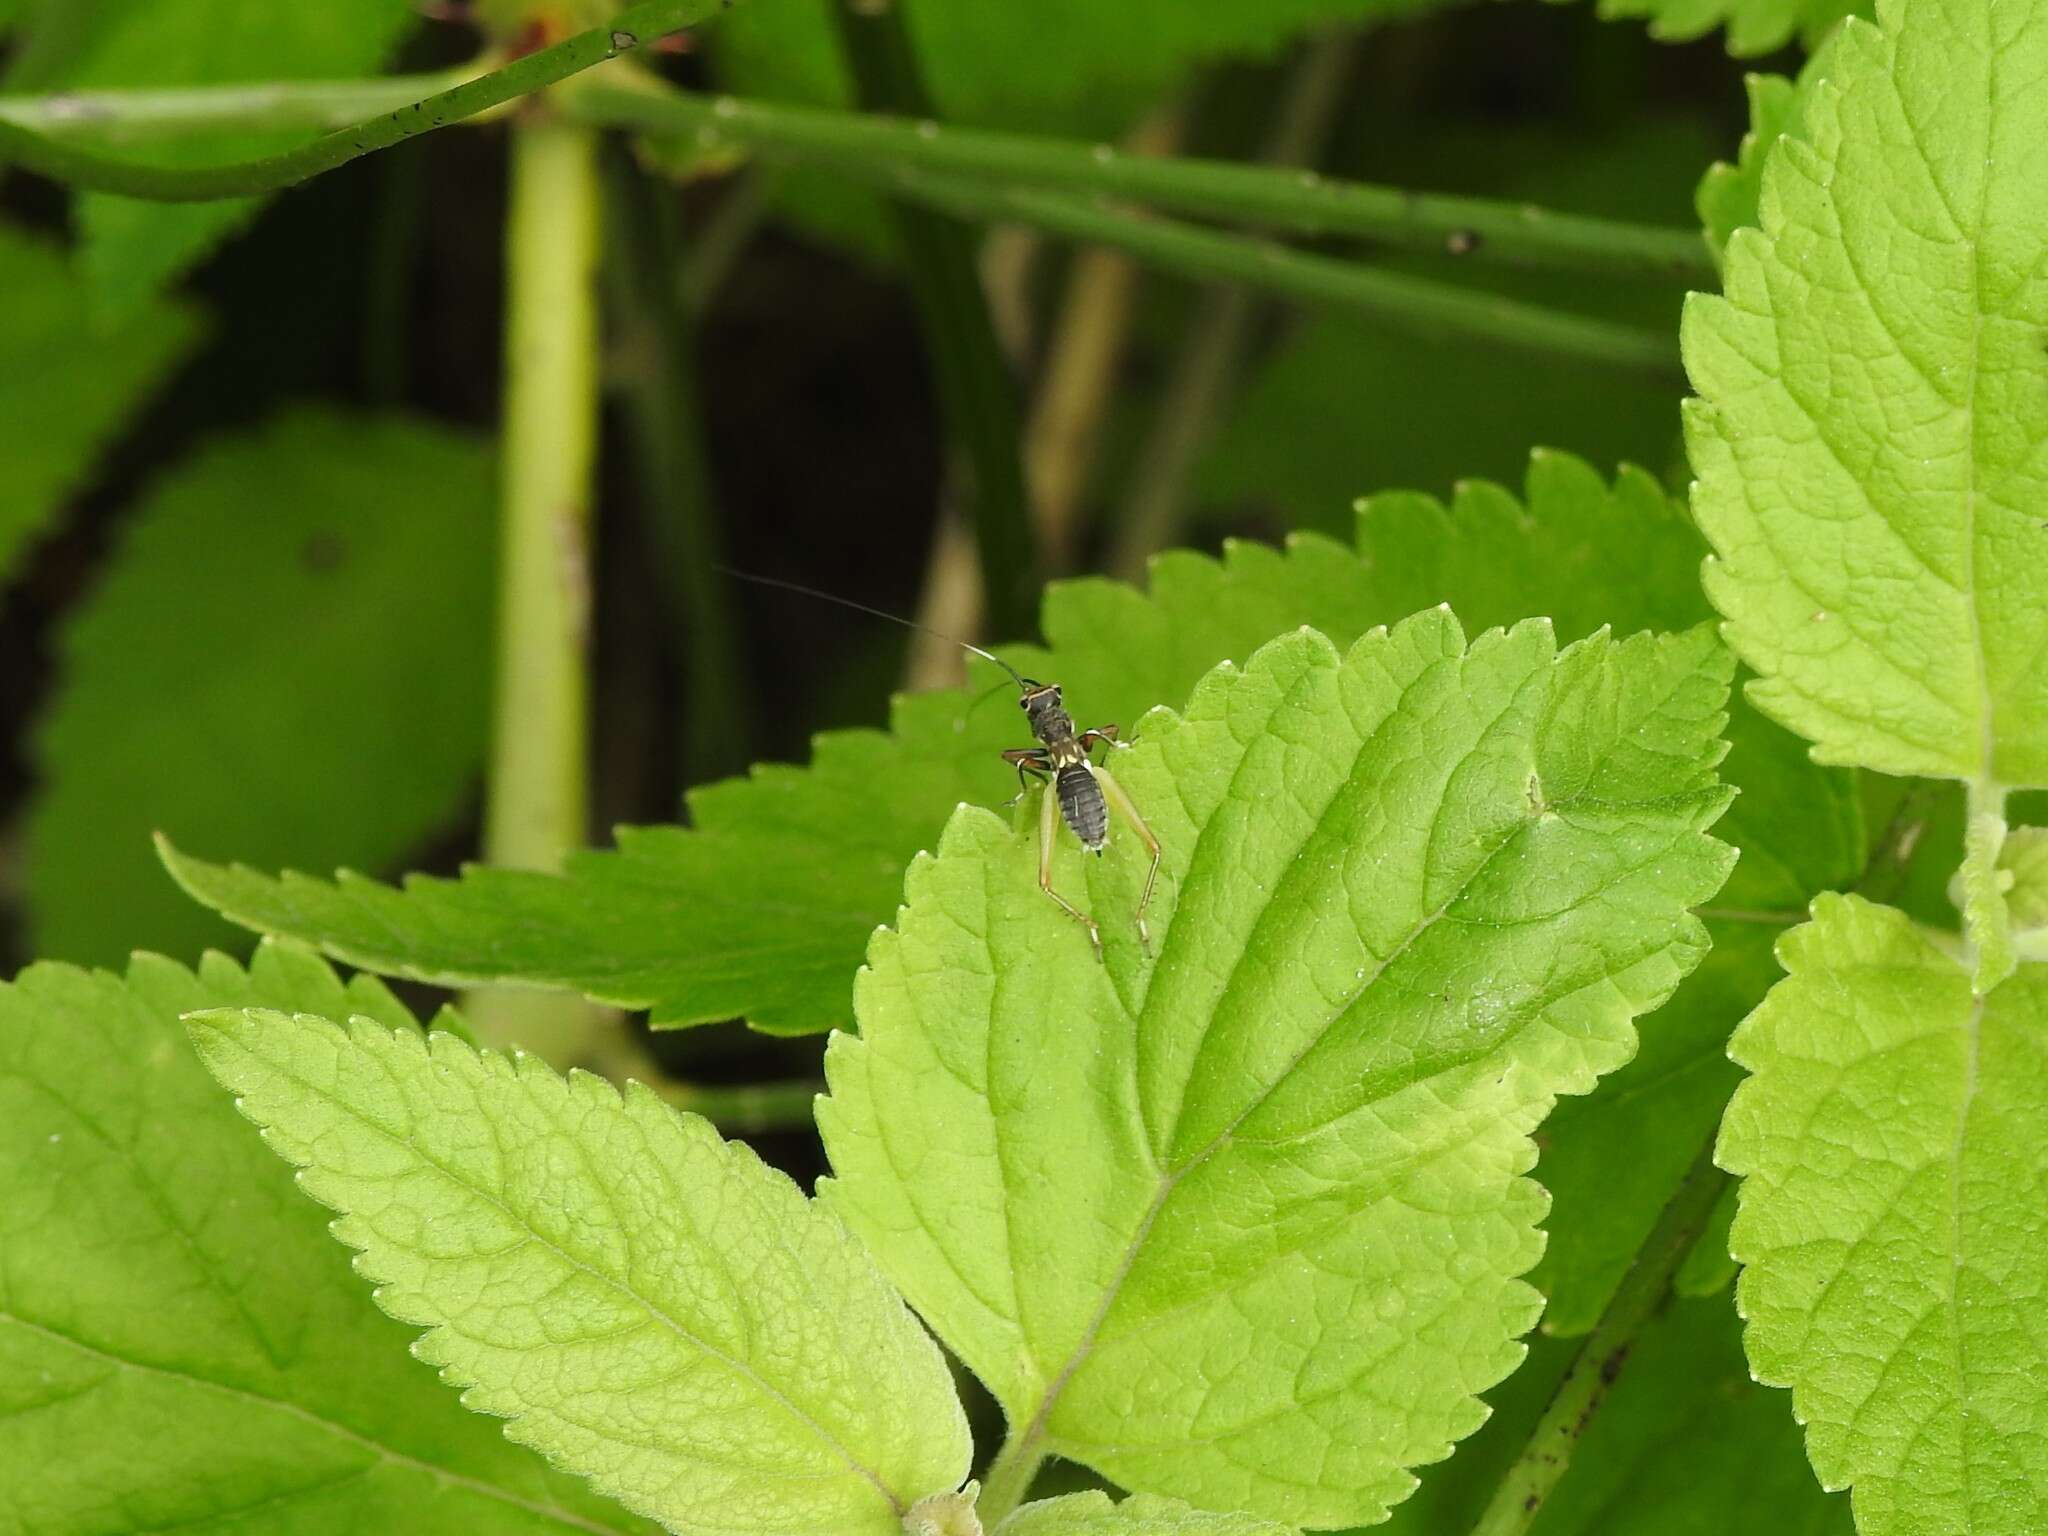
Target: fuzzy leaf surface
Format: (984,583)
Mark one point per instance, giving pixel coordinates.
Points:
(69,383)
(1244,1224)
(365,549)
(1096,1514)
(133,248)
(1895,1261)
(764,907)
(643,1302)
(182,1345)
(1871,437)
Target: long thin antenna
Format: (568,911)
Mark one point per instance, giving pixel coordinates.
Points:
(1024,683)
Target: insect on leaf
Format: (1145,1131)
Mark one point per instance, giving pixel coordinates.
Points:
(182,1345)
(1890,1222)
(1242,1223)
(642,1302)
(1871,437)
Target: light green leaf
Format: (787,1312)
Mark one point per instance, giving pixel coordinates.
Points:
(361,548)
(785,874)
(646,1304)
(132,248)
(68,384)
(1895,1262)
(1872,434)
(1685,1444)
(1728,193)
(1754,26)
(1094,1514)
(1243,1224)
(182,1345)
(2025,859)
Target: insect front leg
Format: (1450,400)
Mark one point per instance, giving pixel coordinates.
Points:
(1121,803)
(1104,736)
(1048,831)
(1027,760)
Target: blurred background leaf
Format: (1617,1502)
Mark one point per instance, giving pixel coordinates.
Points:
(132,249)
(68,381)
(289,651)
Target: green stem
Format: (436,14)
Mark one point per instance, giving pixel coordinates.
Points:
(1987,920)
(746,1109)
(63,161)
(536,806)
(873,146)
(1009,1479)
(1415,304)
(1204,373)
(145,116)
(1535,1473)
(980,397)
(656,377)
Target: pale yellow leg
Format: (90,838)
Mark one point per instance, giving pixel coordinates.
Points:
(1120,802)
(1048,830)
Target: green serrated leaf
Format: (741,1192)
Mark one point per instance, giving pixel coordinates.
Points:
(1728,193)
(68,383)
(363,547)
(1611,1160)
(1895,1263)
(1095,1514)
(785,874)
(1754,26)
(1685,1444)
(1874,393)
(643,1302)
(133,249)
(1243,1224)
(182,1345)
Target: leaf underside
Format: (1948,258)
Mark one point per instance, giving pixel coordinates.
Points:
(646,1304)
(1896,1265)
(182,1345)
(1871,437)
(1243,1223)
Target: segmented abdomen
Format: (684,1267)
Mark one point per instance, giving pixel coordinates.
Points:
(1082,805)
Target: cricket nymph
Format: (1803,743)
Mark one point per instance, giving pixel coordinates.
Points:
(1076,790)
(1083,794)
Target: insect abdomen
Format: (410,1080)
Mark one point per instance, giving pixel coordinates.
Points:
(1082,805)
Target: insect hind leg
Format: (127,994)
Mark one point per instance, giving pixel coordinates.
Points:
(1122,804)
(1048,831)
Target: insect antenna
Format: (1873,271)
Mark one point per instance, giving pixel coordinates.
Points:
(1024,683)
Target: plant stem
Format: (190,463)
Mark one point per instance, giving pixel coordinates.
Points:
(1414,304)
(873,146)
(536,797)
(655,373)
(1009,1478)
(60,160)
(746,1109)
(1548,1453)
(974,382)
(1987,921)
(1195,396)
(146,116)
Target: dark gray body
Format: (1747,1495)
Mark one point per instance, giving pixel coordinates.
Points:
(1081,804)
